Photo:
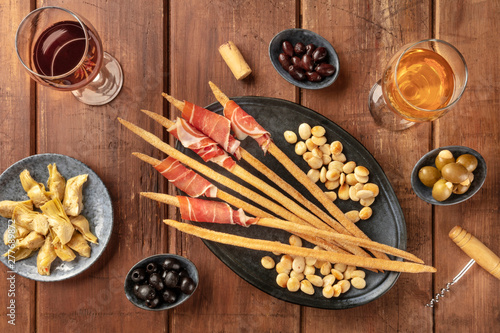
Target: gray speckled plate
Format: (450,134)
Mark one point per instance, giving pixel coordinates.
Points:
(387,225)
(97,209)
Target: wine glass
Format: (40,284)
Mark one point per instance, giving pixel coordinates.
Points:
(62,50)
(421,83)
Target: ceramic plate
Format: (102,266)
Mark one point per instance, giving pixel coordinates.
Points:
(387,225)
(97,209)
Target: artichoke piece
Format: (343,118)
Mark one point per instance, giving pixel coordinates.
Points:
(14,232)
(36,191)
(46,256)
(7,207)
(32,242)
(63,251)
(56,182)
(79,244)
(58,221)
(73,196)
(19,253)
(82,225)
(33,221)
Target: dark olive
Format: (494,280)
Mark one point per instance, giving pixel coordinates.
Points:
(153,303)
(135,288)
(310,49)
(151,268)
(299,49)
(171,279)
(313,77)
(156,281)
(468,161)
(454,172)
(297,73)
(296,61)
(307,63)
(325,69)
(138,275)
(183,273)
(187,285)
(444,157)
(171,264)
(429,175)
(169,296)
(287,48)
(442,190)
(284,60)
(145,292)
(319,54)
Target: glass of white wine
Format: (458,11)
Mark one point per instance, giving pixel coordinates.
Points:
(422,82)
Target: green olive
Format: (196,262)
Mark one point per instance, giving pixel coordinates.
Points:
(442,190)
(460,189)
(428,175)
(468,161)
(455,173)
(444,157)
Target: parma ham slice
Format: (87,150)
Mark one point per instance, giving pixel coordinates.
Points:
(215,126)
(244,125)
(185,179)
(202,145)
(199,210)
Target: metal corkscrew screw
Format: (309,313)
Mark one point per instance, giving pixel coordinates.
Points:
(474,249)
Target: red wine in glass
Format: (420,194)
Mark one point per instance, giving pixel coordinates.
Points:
(61,48)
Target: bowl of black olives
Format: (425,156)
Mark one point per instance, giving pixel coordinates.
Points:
(448,175)
(304,58)
(161,282)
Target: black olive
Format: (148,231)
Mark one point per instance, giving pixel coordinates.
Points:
(145,292)
(169,296)
(187,285)
(299,49)
(152,303)
(171,279)
(171,264)
(138,275)
(151,268)
(136,289)
(183,273)
(156,282)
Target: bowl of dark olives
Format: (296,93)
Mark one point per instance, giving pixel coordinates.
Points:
(161,282)
(448,175)
(304,58)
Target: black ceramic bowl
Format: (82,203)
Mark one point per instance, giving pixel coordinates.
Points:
(158,259)
(425,193)
(307,37)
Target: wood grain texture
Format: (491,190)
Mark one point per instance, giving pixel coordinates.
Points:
(16,111)
(365,36)
(94,300)
(474,123)
(226,303)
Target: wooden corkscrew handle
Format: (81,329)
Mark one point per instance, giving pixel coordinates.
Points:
(476,250)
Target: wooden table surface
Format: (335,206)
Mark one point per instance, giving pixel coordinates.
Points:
(171,46)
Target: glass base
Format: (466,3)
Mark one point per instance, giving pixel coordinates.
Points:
(382,115)
(105,86)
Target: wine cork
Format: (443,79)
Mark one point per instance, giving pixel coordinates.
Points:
(234,59)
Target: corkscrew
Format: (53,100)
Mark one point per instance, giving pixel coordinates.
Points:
(474,249)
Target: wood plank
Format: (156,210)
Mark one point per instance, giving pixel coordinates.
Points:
(474,123)
(16,95)
(224,302)
(94,300)
(365,36)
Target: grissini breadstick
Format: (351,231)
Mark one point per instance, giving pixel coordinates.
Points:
(269,246)
(169,150)
(218,194)
(304,180)
(302,229)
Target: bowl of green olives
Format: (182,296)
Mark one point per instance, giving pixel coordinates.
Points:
(161,282)
(448,175)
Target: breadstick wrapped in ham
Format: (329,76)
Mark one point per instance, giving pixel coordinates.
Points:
(215,126)
(201,144)
(185,179)
(199,210)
